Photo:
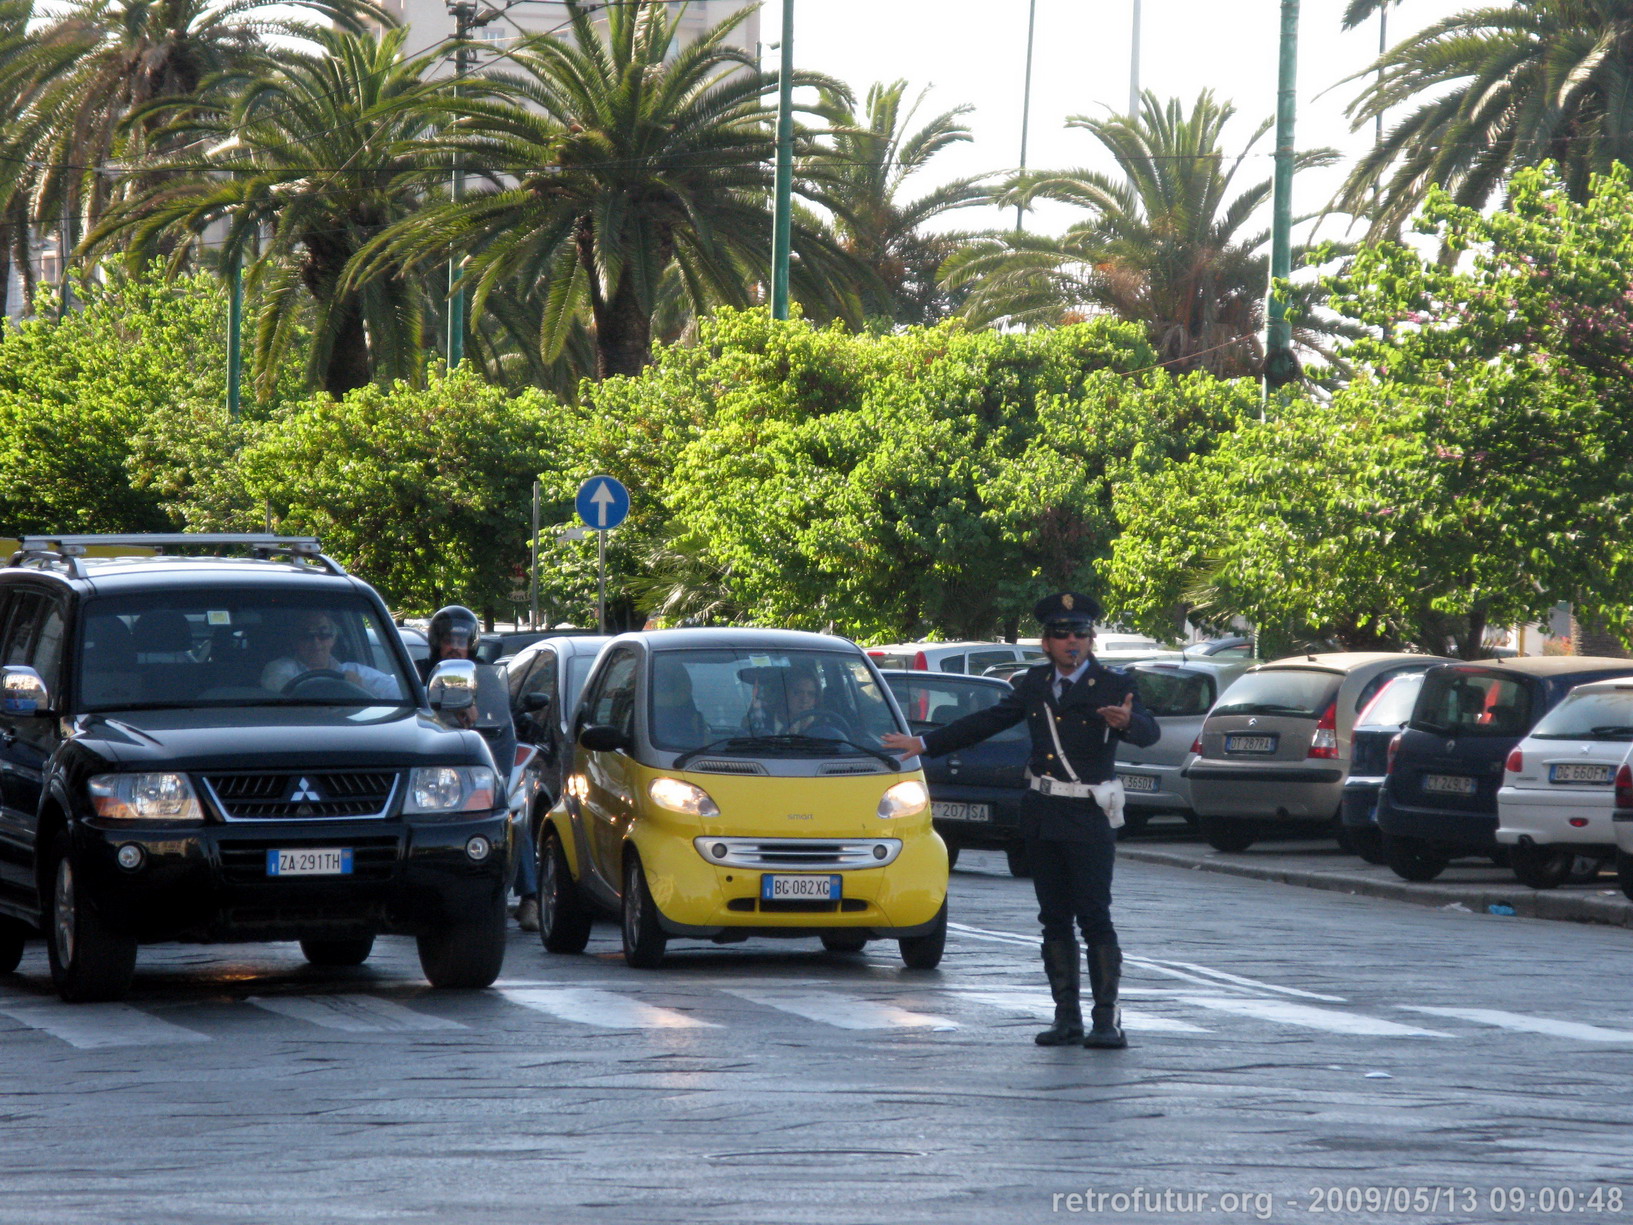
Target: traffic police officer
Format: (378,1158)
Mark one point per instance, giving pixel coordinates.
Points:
(1076,711)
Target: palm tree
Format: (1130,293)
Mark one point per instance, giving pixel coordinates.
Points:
(1164,245)
(1494,89)
(614,156)
(127,55)
(861,179)
(309,164)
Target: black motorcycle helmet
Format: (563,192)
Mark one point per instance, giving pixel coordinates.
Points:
(456,626)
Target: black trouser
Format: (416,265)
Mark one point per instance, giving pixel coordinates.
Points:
(1071,850)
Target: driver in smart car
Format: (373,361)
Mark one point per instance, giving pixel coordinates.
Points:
(312,651)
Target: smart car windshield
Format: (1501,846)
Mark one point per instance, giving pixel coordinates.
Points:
(792,703)
(245,647)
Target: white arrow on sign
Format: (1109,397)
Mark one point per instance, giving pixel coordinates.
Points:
(602,498)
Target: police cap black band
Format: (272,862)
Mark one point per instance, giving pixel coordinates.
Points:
(1067,608)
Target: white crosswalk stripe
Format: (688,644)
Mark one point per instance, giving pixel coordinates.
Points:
(1285,1012)
(93,1026)
(607,1009)
(1526,1024)
(1039,1005)
(843,1011)
(357,1014)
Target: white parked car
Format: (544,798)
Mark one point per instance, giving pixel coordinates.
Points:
(973,658)
(1554,807)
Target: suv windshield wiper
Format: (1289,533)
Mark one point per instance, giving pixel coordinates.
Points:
(747,744)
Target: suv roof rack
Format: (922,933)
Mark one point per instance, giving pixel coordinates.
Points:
(67,550)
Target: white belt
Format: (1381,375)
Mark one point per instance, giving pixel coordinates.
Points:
(1108,795)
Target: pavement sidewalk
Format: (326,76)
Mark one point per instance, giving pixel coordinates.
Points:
(1473,885)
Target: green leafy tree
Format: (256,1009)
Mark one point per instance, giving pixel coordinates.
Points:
(1493,89)
(1165,243)
(616,154)
(424,491)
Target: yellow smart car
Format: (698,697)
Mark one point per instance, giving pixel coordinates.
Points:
(729,783)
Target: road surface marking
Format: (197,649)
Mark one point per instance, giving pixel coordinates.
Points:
(1184,969)
(843,1011)
(357,1014)
(1039,1005)
(91,1026)
(1529,1025)
(607,1009)
(1286,1012)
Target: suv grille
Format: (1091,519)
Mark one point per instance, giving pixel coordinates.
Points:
(306,795)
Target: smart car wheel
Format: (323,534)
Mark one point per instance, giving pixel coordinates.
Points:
(12,936)
(1020,863)
(924,952)
(844,943)
(338,952)
(1227,836)
(468,954)
(644,939)
(1411,859)
(89,960)
(564,916)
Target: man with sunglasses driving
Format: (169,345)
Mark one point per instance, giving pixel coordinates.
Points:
(311,650)
(1077,711)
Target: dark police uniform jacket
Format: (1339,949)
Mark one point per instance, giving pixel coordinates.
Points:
(1083,734)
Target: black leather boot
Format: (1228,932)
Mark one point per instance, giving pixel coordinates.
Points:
(1061,964)
(1105,972)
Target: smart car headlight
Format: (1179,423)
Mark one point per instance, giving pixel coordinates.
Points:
(145,797)
(444,789)
(678,795)
(904,799)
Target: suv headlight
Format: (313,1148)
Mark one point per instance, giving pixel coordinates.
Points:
(904,799)
(678,795)
(145,797)
(449,789)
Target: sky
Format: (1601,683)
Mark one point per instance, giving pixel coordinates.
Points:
(974,51)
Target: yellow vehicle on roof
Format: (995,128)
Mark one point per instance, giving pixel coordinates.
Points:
(729,783)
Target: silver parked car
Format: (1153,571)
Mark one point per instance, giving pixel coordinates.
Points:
(1178,693)
(1276,746)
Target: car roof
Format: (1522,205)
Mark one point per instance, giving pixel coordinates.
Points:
(962,644)
(736,638)
(1348,661)
(569,644)
(1609,684)
(1547,665)
(130,574)
(919,674)
(1203,663)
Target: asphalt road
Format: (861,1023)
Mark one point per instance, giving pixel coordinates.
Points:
(1297,1055)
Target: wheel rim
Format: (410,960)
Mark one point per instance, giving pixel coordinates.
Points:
(63,918)
(632,907)
(547,895)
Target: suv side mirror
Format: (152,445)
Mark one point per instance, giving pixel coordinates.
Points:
(533,703)
(602,738)
(452,685)
(23,692)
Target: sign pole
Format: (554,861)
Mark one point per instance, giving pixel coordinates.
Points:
(602,503)
(533,574)
(601,584)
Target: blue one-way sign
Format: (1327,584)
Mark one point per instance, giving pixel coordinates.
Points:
(602,502)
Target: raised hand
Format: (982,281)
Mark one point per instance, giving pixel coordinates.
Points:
(1120,715)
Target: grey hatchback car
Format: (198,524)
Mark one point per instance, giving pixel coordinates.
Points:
(1179,695)
(1276,747)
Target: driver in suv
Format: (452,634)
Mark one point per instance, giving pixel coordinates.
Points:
(312,653)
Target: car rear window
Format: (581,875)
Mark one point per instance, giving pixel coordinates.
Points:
(893,659)
(1393,705)
(1174,692)
(931,701)
(1463,702)
(1299,692)
(1599,715)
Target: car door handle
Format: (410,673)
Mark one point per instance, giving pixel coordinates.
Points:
(954,762)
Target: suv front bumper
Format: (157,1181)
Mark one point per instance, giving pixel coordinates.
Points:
(210,882)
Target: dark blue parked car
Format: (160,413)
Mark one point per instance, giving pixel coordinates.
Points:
(1381,721)
(1439,801)
(975,793)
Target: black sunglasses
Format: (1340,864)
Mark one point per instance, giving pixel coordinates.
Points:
(1074,631)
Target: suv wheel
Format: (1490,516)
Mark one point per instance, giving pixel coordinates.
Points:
(89,960)
(1412,859)
(564,916)
(12,936)
(1020,863)
(1226,835)
(338,952)
(924,952)
(468,954)
(644,939)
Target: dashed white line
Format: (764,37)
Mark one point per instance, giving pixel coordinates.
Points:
(1526,1024)
(606,1009)
(356,1014)
(843,1011)
(92,1026)
(1286,1012)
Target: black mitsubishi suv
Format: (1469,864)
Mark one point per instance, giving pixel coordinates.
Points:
(230,748)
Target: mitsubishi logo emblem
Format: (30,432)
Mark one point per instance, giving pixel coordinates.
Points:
(304,791)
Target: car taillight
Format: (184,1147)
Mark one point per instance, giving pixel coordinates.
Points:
(921,663)
(1196,745)
(1324,743)
(1624,787)
(1515,762)
(1394,747)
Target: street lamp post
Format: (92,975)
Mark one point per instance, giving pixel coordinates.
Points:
(1026,100)
(1280,366)
(782,223)
(464,13)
